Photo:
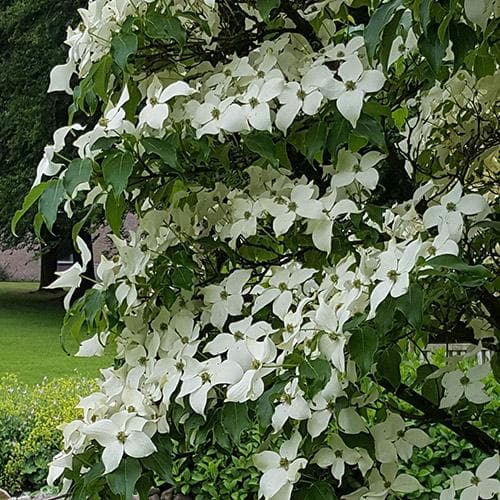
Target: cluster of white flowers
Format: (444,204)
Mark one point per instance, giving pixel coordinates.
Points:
(214,344)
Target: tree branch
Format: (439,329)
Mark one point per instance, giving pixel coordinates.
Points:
(303,26)
(465,430)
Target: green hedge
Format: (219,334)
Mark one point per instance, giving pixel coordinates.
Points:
(29,420)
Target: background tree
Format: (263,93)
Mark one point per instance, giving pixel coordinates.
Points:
(314,183)
(32,33)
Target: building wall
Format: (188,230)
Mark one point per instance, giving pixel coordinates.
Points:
(24,265)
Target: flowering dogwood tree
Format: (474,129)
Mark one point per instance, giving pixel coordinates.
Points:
(314,183)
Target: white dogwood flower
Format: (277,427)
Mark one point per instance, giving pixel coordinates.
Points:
(256,102)
(156,110)
(393,273)
(292,405)
(227,298)
(352,167)
(323,405)
(336,455)
(302,203)
(482,483)
(280,289)
(199,377)
(448,215)
(281,470)
(121,433)
(457,384)
(356,83)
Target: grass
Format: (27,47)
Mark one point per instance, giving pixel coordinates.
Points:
(30,322)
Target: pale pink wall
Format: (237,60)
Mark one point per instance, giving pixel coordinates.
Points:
(23,265)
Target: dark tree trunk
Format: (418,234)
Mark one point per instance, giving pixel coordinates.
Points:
(48,267)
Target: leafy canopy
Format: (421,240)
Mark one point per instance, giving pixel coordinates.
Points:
(314,187)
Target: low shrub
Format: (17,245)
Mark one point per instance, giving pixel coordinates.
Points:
(29,420)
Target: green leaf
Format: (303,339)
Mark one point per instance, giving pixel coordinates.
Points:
(315,140)
(262,144)
(182,277)
(319,490)
(314,375)
(362,347)
(388,38)
(370,128)
(116,170)
(94,302)
(161,464)
(495,366)
(29,201)
(433,49)
(50,201)
(265,406)
(412,305)
(123,45)
(78,172)
(425,14)
(378,21)
(457,264)
(122,481)
(114,210)
(265,7)
(164,26)
(388,365)
(235,419)
(399,116)
(338,135)
(104,143)
(164,148)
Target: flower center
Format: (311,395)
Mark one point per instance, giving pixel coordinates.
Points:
(432,250)
(401,434)
(286,398)
(333,336)
(254,102)
(153,101)
(215,114)
(122,437)
(282,287)
(402,48)
(357,283)
(339,453)
(350,85)
(475,480)
(340,53)
(224,295)
(131,409)
(260,74)
(292,206)
(247,215)
(387,484)
(205,377)
(464,380)
(393,275)
(239,335)
(179,366)
(284,463)
(289,328)
(227,72)
(185,340)
(256,364)
(103,122)
(451,207)
(142,360)
(301,94)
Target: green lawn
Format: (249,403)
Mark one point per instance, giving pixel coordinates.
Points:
(29,336)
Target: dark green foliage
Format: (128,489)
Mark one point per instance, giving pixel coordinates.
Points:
(32,33)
